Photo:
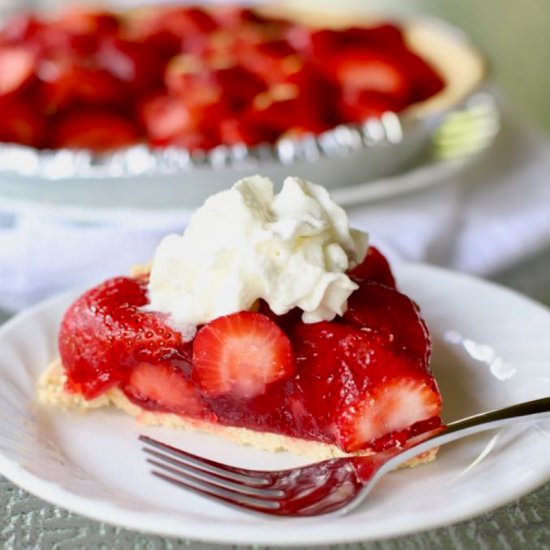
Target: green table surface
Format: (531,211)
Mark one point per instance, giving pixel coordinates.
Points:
(27,522)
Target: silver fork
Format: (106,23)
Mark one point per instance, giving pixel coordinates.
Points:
(333,486)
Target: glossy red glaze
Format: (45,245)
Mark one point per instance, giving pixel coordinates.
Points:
(237,75)
(391,315)
(92,128)
(374,267)
(360,381)
(106,333)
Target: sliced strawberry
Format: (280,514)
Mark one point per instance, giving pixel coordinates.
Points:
(177,29)
(95,58)
(369,70)
(391,315)
(20,28)
(193,140)
(163,387)
(182,71)
(105,334)
(356,106)
(323,379)
(145,29)
(170,120)
(65,83)
(241,354)
(132,62)
(235,130)
(352,384)
(95,130)
(198,84)
(17,66)
(273,60)
(282,117)
(425,81)
(67,34)
(376,410)
(83,20)
(238,85)
(184,20)
(388,412)
(53,40)
(385,35)
(234,16)
(165,117)
(322,43)
(374,267)
(284,107)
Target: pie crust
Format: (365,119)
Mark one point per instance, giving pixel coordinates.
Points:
(52,392)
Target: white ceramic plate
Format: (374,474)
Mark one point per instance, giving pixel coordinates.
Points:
(491,349)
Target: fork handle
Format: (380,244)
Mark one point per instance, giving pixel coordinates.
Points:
(538,409)
(528,411)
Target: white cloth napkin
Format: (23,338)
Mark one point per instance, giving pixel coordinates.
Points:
(480,220)
(485,219)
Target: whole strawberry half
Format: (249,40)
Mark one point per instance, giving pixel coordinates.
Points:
(17,66)
(105,334)
(21,123)
(361,393)
(374,267)
(164,387)
(65,83)
(392,316)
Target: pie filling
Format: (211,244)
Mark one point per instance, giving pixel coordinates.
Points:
(360,382)
(196,78)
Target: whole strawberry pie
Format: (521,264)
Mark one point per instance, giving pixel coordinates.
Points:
(196,77)
(269,321)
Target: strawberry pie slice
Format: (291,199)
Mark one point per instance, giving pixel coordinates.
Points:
(341,367)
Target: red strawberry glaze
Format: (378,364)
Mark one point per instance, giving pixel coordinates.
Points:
(359,382)
(215,70)
(391,315)
(105,334)
(351,382)
(374,267)
(241,355)
(90,129)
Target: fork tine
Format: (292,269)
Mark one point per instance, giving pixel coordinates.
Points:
(317,488)
(250,477)
(181,469)
(203,488)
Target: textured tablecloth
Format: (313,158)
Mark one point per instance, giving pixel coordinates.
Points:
(27,522)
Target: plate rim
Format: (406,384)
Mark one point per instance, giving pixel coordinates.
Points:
(261,532)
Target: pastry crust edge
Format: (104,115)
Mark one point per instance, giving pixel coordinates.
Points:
(51,392)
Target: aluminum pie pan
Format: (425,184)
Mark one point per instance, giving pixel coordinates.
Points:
(142,160)
(141,176)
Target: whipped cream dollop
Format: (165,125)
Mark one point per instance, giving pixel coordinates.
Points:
(291,249)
